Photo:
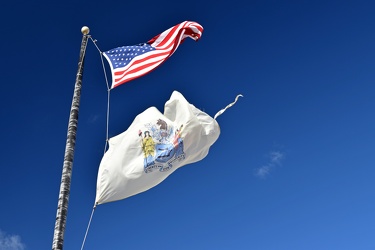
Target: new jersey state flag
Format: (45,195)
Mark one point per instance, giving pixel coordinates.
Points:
(153,147)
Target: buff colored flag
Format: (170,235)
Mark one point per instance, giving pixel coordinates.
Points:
(153,147)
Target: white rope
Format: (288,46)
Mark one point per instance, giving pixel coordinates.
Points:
(88,226)
(106,134)
(227,107)
(107,128)
(108,95)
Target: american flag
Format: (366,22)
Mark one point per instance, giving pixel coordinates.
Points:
(130,62)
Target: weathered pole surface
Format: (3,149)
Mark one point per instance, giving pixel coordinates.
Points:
(62,206)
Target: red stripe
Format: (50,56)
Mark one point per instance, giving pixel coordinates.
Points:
(137,61)
(171,33)
(179,33)
(177,38)
(143,67)
(177,41)
(122,80)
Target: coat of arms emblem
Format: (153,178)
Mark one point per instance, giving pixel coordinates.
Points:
(162,145)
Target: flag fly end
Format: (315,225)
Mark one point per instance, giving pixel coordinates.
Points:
(227,107)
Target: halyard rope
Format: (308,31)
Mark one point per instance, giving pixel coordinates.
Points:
(107,128)
(108,93)
(88,226)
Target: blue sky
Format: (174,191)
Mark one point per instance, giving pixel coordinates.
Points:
(292,169)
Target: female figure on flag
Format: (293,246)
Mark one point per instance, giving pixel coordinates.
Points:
(148,147)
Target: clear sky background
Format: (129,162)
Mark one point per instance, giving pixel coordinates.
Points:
(292,169)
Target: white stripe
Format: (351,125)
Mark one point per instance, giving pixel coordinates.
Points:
(134,64)
(167,43)
(138,65)
(138,73)
(178,44)
(130,65)
(164,34)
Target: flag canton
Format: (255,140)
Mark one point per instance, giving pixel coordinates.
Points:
(122,56)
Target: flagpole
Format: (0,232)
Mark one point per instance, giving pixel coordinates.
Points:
(62,206)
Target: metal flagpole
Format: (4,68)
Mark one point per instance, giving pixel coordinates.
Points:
(62,206)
